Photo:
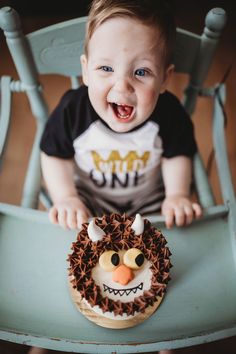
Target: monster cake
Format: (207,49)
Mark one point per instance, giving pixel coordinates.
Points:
(119,270)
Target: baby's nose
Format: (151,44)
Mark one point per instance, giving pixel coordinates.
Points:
(123,274)
(122,85)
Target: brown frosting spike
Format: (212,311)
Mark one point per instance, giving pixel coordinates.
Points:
(118,308)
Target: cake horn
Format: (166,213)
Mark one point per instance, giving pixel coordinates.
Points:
(95,232)
(138,225)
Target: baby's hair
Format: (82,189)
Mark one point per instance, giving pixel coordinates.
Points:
(150,12)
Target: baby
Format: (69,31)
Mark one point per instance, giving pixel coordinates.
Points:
(108,145)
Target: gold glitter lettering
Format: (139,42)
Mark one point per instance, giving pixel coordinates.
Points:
(115,163)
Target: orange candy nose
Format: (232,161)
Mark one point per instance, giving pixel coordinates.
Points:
(123,275)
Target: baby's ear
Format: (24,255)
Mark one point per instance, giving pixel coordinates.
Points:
(84,66)
(167,75)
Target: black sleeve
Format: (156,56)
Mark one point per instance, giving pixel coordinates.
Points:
(176,127)
(69,119)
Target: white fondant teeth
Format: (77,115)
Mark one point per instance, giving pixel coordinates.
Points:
(95,232)
(138,225)
(122,292)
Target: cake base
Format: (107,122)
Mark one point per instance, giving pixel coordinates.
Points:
(103,321)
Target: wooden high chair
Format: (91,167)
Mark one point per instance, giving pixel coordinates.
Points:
(35,305)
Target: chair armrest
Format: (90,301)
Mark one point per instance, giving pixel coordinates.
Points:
(220,145)
(5,110)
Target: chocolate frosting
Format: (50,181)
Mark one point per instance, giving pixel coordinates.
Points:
(119,236)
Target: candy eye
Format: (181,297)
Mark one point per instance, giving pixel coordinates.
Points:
(109,260)
(134,258)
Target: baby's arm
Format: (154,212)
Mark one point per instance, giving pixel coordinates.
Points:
(68,210)
(177,206)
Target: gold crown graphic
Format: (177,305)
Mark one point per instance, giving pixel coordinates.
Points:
(115,163)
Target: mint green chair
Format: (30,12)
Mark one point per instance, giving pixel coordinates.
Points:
(35,305)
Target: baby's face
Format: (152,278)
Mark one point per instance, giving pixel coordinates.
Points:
(124,72)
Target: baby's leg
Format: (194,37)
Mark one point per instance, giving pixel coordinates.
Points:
(166,351)
(35,350)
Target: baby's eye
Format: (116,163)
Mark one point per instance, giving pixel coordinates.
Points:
(140,72)
(106,68)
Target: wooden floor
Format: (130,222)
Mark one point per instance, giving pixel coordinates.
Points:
(23,125)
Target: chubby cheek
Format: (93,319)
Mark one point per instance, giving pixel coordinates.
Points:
(149,100)
(97,96)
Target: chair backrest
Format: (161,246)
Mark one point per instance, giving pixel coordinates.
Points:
(56,50)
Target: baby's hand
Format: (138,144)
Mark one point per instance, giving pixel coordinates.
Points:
(179,209)
(69,213)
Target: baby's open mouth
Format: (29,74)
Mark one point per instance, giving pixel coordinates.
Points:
(122,111)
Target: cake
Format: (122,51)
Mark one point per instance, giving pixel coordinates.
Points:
(119,270)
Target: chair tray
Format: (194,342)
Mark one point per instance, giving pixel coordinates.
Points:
(36,307)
